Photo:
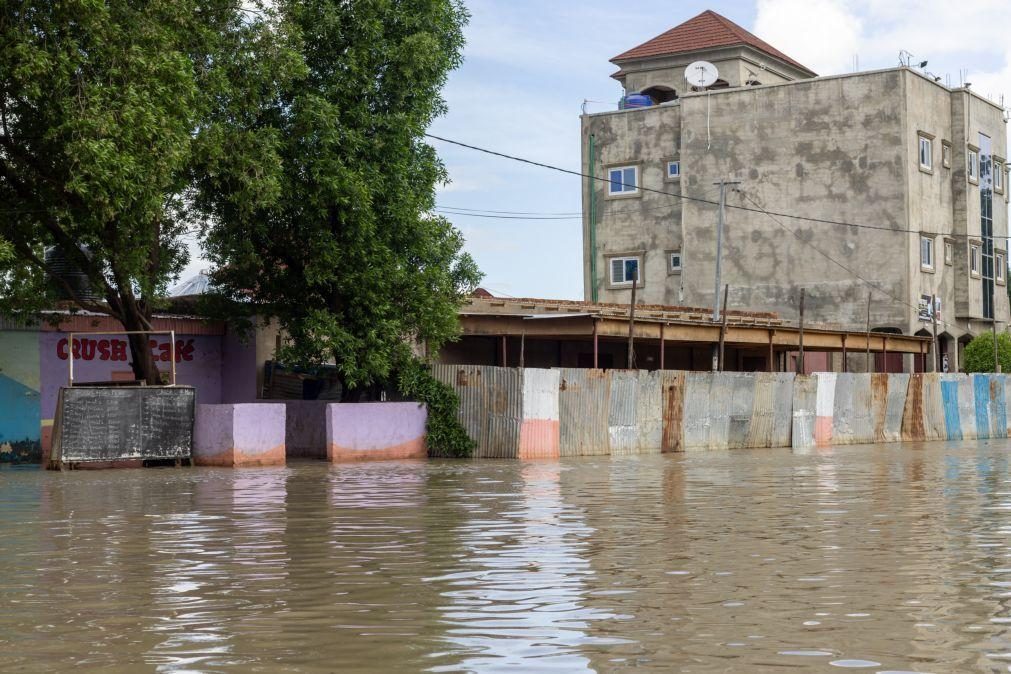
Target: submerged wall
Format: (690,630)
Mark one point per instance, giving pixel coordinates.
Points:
(620,412)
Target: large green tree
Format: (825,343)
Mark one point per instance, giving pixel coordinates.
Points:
(346,253)
(102,119)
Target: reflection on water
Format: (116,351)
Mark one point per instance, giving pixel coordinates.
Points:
(891,558)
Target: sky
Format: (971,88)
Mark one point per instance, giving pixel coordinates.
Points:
(530,64)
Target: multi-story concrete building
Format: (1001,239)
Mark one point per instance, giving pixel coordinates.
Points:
(899,183)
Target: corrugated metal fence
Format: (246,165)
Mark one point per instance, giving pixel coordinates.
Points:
(581,412)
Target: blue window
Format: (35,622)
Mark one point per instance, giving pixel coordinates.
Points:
(623,180)
(673,170)
(624,270)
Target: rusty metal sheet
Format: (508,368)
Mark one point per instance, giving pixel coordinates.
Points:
(649,413)
(888,410)
(933,408)
(913,426)
(673,385)
(967,407)
(583,409)
(991,408)
(491,401)
(805,394)
(635,419)
(852,417)
(771,416)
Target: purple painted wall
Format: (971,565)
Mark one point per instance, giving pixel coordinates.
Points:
(238,369)
(239,435)
(369,431)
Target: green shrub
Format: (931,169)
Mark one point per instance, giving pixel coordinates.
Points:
(446,436)
(978,355)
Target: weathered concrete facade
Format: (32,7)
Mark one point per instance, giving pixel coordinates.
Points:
(843,148)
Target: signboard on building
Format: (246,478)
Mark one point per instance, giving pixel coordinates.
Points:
(926,312)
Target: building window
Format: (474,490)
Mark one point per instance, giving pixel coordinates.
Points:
(949,253)
(945,154)
(998,176)
(974,260)
(624,270)
(926,153)
(927,252)
(623,180)
(972,166)
(673,170)
(674,260)
(1000,268)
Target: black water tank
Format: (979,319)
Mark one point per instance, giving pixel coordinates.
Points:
(60,265)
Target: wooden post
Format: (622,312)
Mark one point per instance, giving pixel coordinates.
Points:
(933,346)
(845,363)
(996,361)
(884,352)
(723,326)
(662,349)
(504,363)
(800,359)
(870,364)
(595,343)
(923,358)
(772,352)
(523,348)
(631,325)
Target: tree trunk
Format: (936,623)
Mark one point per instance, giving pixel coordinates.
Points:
(142,360)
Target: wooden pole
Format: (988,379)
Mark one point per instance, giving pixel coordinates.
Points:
(884,353)
(523,348)
(772,352)
(723,327)
(595,343)
(933,346)
(923,358)
(845,363)
(870,365)
(662,345)
(504,363)
(631,325)
(996,361)
(800,359)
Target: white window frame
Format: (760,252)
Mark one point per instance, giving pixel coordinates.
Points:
(999,268)
(998,176)
(623,189)
(945,154)
(949,253)
(623,259)
(926,157)
(972,165)
(927,253)
(671,269)
(667,173)
(974,259)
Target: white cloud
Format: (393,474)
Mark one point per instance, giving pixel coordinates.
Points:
(822,34)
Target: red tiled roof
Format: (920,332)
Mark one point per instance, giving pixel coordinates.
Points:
(705,31)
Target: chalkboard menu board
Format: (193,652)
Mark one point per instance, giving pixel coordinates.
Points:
(123,422)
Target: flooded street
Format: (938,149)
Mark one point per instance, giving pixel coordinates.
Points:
(890,558)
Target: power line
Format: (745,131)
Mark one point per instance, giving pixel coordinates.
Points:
(685,197)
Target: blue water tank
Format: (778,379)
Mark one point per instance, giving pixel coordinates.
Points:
(637,101)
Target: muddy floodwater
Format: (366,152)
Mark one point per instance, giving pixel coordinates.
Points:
(894,558)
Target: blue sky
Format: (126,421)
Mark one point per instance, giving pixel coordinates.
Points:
(531,63)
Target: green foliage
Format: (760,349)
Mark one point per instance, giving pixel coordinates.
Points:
(103,115)
(978,355)
(446,437)
(336,236)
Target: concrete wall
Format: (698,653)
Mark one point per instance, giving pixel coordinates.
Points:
(621,412)
(375,431)
(237,436)
(842,148)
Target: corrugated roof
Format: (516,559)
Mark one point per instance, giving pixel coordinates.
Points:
(708,30)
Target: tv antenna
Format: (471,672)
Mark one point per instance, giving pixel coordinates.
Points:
(702,75)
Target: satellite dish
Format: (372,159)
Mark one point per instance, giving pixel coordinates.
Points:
(701,74)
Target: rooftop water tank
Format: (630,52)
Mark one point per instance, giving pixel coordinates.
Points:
(636,101)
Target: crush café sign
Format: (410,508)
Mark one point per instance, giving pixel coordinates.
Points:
(118,350)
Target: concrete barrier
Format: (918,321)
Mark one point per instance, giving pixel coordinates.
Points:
(305,428)
(539,428)
(241,435)
(375,431)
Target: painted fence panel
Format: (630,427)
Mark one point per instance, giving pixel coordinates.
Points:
(824,408)
(990,405)
(805,396)
(490,406)
(539,429)
(967,407)
(889,400)
(949,399)
(584,399)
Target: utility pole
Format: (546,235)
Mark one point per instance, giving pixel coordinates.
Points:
(723,328)
(933,318)
(868,336)
(631,322)
(719,259)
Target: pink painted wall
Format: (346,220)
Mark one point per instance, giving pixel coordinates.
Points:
(239,435)
(375,431)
